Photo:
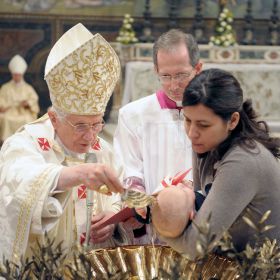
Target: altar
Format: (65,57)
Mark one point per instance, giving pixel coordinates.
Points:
(260,82)
(140,80)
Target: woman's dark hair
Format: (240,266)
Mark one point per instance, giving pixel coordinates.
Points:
(220,91)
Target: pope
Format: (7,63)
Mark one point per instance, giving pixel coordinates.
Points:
(44,167)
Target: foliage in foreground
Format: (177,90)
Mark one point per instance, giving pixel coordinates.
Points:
(258,262)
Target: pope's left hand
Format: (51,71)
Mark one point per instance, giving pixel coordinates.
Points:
(100,234)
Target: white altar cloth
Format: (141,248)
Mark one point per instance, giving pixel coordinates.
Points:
(261,82)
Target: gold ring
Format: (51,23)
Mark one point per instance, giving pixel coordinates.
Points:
(103,189)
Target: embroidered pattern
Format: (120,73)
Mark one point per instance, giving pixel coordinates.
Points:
(82,192)
(44,144)
(83,82)
(136,199)
(25,213)
(96,146)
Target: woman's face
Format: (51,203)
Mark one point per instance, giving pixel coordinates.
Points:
(205,129)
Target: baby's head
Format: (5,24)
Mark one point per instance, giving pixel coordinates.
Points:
(173,210)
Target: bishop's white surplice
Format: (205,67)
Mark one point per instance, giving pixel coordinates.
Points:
(157,146)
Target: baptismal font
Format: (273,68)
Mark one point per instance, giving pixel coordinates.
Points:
(151,262)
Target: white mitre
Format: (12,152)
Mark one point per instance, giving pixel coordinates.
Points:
(17,65)
(81,71)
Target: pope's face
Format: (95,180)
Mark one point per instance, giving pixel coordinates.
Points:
(78,133)
(175,71)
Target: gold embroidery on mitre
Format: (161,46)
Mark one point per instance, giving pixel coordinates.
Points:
(83,81)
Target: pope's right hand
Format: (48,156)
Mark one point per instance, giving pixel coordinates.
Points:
(92,175)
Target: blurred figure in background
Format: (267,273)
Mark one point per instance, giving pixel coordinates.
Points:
(18,100)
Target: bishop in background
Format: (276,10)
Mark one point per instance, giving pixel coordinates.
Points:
(18,100)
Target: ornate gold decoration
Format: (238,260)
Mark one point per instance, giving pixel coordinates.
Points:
(103,189)
(84,80)
(154,262)
(136,199)
(25,214)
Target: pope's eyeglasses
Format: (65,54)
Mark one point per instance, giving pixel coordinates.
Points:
(179,78)
(85,127)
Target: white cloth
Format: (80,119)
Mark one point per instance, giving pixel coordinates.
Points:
(30,164)
(11,96)
(69,42)
(140,80)
(259,81)
(151,141)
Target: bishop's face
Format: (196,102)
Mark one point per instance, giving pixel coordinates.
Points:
(17,78)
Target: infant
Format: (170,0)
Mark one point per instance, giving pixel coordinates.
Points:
(174,208)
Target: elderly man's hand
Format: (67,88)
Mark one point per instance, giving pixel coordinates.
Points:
(95,176)
(101,234)
(3,109)
(25,104)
